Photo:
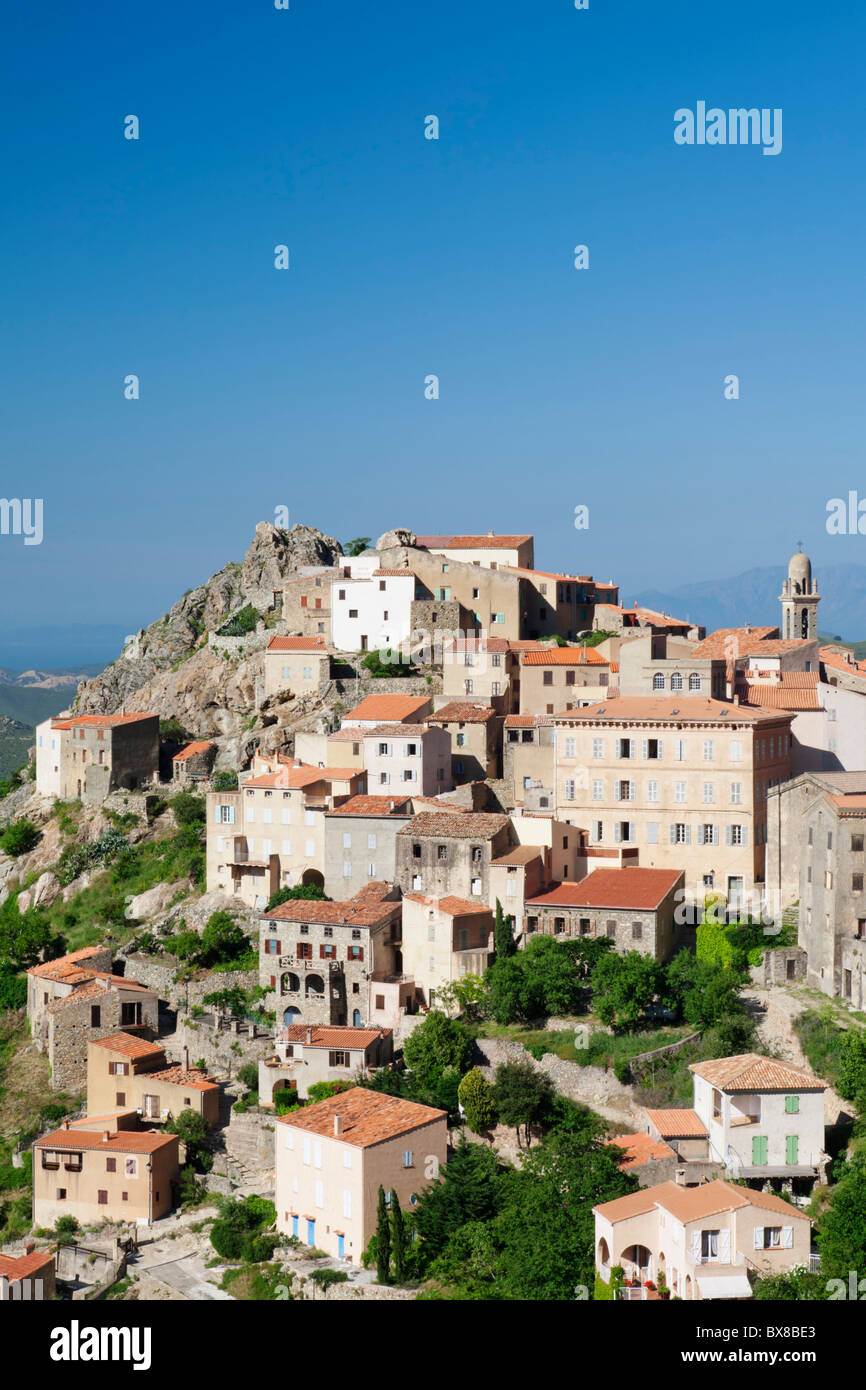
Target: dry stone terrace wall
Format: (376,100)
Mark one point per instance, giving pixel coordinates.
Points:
(594,1087)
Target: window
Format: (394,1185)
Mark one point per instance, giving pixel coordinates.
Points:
(736,750)
(339,1059)
(636,931)
(694,681)
(680,792)
(102,1197)
(597,790)
(680,833)
(857,883)
(709,1245)
(680,750)
(355,953)
(676,681)
(736,793)
(658,681)
(570,753)
(569,790)
(118,1068)
(305,950)
(652,791)
(771,1237)
(441,851)
(707,752)
(708,793)
(624,748)
(857,844)
(95,1016)
(353,612)
(408,1158)
(792,1105)
(476,887)
(598,748)
(737,835)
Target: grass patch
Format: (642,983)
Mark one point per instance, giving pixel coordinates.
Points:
(256,1283)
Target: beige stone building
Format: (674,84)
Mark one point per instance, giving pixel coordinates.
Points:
(634,908)
(360,842)
(75,999)
(562,678)
(764,1119)
(562,605)
(307,601)
(445,855)
(518,874)
(529,762)
(270,833)
(319,960)
(299,664)
(194,763)
(704,1240)
(332,1158)
(443,940)
(492,598)
(304,1055)
(104,1168)
(487,551)
(413,759)
(30,1275)
(682,780)
(97,754)
(125,1072)
(654,663)
(387,709)
(474,739)
(483,670)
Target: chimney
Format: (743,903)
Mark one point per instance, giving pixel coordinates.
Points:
(309,1037)
(65,1122)
(106,1135)
(185,1056)
(338,1126)
(30,1247)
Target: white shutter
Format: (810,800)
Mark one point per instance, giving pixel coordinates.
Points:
(617,747)
(696,1246)
(688,834)
(617,832)
(727,835)
(700,834)
(744,834)
(759,1237)
(787,1237)
(673,832)
(644,749)
(632,831)
(217,814)
(632,748)
(725,1247)
(652,832)
(632,788)
(616,791)
(661,748)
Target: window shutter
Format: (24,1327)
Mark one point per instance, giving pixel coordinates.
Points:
(759,1237)
(688,834)
(217,814)
(700,834)
(644,748)
(632,788)
(725,1247)
(661,748)
(632,830)
(632,748)
(744,834)
(696,1246)
(618,743)
(617,832)
(673,833)
(616,791)
(787,1237)
(728,837)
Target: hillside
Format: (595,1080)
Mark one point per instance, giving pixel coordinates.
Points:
(16,740)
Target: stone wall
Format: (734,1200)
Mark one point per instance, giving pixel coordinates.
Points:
(70,1030)
(224,1052)
(594,1087)
(775,971)
(158,972)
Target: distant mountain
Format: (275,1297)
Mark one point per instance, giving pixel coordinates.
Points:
(753,598)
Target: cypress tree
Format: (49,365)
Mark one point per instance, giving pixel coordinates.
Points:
(398,1231)
(383,1241)
(503,938)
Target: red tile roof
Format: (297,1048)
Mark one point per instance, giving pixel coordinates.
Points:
(128,1045)
(191,750)
(694,1203)
(564,656)
(15,1267)
(94,721)
(57,969)
(366,909)
(638,889)
(462,712)
(731,642)
(752,1072)
(780,696)
(122,1140)
(368,1117)
(452,906)
(394,730)
(354,1038)
(521,854)
(526,721)
(489,542)
(640,1149)
(298,644)
(373,806)
(842,661)
(677,1124)
(388,709)
(192,1077)
(668,709)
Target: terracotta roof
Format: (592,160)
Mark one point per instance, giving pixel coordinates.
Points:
(177,1075)
(94,721)
(298,644)
(459,711)
(777,696)
(489,542)
(394,574)
(15,1267)
(669,709)
(564,656)
(191,750)
(693,1203)
(521,854)
(345,736)
(677,1124)
(288,778)
(734,641)
(526,721)
(343,774)
(366,909)
(333,1037)
(55,969)
(129,1045)
(637,889)
(99,983)
(794,680)
(372,806)
(751,1072)
(840,661)
(368,1117)
(451,906)
(387,709)
(774,646)
(394,731)
(447,807)
(640,1149)
(849,802)
(473,825)
(122,1140)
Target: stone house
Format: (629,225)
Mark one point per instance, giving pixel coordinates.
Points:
(332,1158)
(648,1159)
(104,1168)
(634,907)
(304,1055)
(682,780)
(484,670)
(307,601)
(474,738)
(487,552)
(562,678)
(317,959)
(99,754)
(387,709)
(516,876)
(494,597)
(529,762)
(371,606)
(703,1240)
(301,665)
(564,605)
(408,758)
(652,663)
(129,1072)
(361,843)
(443,940)
(194,763)
(446,855)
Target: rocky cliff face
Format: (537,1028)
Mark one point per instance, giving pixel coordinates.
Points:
(168,668)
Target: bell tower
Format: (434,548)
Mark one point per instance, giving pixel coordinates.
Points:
(799,599)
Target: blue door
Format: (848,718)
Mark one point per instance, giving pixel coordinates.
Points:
(356,1019)
(340,1246)
(311,1232)
(294,1226)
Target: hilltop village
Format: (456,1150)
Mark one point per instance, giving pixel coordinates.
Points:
(380,895)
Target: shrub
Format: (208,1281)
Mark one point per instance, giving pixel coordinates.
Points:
(188,809)
(243,622)
(225,782)
(19,837)
(325,1277)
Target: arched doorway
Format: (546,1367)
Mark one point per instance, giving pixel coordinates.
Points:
(637,1263)
(291,1016)
(314,984)
(311,878)
(688,1287)
(356,1018)
(602,1259)
(289,983)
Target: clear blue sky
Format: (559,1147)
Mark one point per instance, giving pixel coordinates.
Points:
(305,388)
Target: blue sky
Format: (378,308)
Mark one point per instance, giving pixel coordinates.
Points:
(305,388)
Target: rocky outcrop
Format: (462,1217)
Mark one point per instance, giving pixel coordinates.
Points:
(398,538)
(275,554)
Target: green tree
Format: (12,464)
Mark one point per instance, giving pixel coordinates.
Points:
(514,995)
(398,1233)
(19,837)
(193,1132)
(851,1080)
(383,1241)
(188,809)
(504,944)
(841,1229)
(223,940)
(795,1285)
(356,546)
(440,1042)
(522,1096)
(467,1190)
(225,781)
(623,987)
(553,975)
(309,892)
(475,1095)
(466,995)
